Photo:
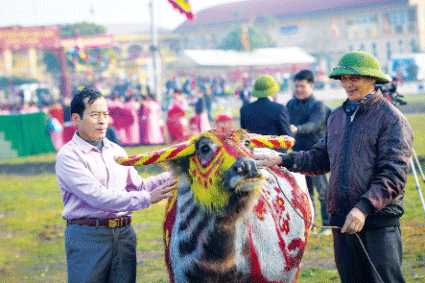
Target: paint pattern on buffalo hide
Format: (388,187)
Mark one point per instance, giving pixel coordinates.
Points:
(275,235)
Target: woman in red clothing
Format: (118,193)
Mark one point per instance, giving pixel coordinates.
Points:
(201,116)
(177,123)
(133,130)
(151,122)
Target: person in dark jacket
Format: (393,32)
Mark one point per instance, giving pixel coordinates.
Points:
(308,122)
(264,116)
(111,132)
(367,149)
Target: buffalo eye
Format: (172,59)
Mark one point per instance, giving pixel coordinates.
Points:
(204,148)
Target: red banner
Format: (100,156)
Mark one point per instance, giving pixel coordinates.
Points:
(335,28)
(24,38)
(88,42)
(387,28)
(245,38)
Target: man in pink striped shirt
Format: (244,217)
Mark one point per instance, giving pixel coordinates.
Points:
(99,196)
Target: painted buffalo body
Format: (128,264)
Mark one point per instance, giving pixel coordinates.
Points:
(229,220)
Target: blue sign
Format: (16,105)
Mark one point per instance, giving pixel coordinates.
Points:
(289,30)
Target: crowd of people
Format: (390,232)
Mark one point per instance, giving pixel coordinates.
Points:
(136,115)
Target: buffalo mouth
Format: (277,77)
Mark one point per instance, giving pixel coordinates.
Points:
(244,183)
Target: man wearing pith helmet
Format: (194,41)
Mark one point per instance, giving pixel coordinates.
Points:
(367,150)
(265,116)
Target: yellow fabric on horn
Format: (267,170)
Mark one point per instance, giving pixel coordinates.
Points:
(271,141)
(170,153)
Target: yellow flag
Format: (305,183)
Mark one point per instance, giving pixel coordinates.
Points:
(183,6)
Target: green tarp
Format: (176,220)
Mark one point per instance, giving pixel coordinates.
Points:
(26,133)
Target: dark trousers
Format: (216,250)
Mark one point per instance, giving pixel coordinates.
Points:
(321,184)
(100,254)
(385,251)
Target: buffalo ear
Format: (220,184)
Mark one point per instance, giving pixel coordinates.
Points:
(278,142)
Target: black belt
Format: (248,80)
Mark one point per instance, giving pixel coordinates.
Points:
(108,222)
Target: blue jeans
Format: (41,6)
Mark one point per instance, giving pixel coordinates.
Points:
(100,254)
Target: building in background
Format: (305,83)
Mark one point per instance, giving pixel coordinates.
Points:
(327,29)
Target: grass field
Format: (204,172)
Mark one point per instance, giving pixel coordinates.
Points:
(32,243)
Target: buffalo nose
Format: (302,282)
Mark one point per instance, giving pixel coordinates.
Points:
(245,166)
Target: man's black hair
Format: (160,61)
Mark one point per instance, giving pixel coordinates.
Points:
(77,104)
(304,75)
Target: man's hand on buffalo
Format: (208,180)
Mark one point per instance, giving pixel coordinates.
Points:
(161,192)
(269,157)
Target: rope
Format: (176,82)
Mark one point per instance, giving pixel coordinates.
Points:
(320,226)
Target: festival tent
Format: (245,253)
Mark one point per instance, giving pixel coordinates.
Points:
(231,58)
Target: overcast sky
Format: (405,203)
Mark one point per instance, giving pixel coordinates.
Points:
(50,12)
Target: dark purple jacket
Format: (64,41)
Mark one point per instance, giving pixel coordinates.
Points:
(309,115)
(368,155)
(265,117)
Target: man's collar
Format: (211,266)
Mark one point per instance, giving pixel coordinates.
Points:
(87,147)
(355,104)
(369,95)
(106,143)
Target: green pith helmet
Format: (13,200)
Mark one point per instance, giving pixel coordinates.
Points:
(265,86)
(359,63)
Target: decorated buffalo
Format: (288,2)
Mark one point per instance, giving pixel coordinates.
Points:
(231,221)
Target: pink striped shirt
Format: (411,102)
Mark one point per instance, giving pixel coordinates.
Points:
(94,186)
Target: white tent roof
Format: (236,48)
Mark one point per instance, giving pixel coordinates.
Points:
(258,57)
